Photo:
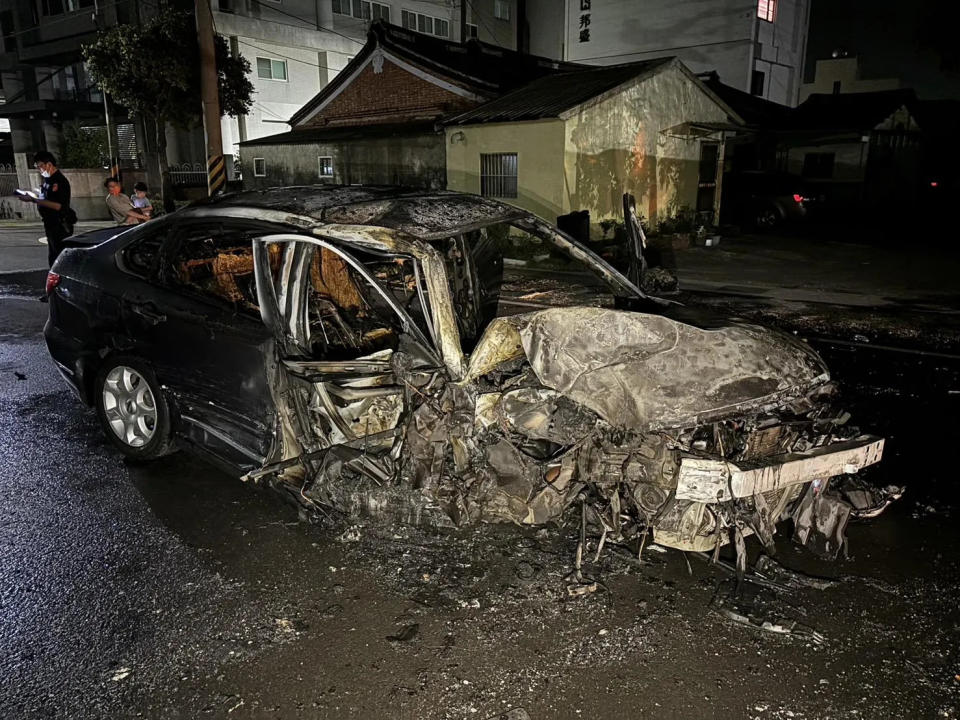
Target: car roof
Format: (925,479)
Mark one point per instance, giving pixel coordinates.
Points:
(425,214)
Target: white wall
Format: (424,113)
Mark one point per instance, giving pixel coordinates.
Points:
(782,47)
(720,35)
(313,57)
(845,71)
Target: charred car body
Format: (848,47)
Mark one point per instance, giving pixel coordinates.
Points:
(355,347)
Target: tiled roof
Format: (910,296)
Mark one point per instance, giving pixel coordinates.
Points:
(549,96)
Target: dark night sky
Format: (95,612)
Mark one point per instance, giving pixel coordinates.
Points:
(917,41)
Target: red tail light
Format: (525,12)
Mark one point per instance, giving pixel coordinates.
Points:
(798,198)
(53,279)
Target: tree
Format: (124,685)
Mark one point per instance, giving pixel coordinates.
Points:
(82,147)
(153,69)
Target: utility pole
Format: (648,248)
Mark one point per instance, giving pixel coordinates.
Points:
(216,171)
(463,21)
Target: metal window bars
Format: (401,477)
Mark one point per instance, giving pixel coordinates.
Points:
(498,175)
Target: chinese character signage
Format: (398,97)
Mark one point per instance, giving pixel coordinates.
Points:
(585,20)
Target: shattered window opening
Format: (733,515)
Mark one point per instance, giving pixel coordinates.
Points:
(140,257)
(346,315)
(486,281)
(217,264)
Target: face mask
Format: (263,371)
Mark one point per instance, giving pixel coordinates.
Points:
(44,173)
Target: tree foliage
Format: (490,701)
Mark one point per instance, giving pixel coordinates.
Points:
(154,69)
(82,147)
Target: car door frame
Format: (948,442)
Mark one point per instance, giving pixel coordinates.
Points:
(208,417)
(282,310)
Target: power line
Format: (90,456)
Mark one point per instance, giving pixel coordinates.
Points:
(478,16)
(286,57)
(308,22)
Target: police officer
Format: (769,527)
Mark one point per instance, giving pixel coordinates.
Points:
(53,203)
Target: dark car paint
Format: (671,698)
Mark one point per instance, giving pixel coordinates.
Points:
(95,237)
(209,357)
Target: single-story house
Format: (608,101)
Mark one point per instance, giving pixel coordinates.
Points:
(579,139)
(862,149)
(376,121)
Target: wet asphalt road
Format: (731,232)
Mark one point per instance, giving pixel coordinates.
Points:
(173,591)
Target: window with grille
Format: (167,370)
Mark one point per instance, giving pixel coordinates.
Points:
(325,165)
(259,167)
(471,30)
(498,175)
(767,10)
(270,69)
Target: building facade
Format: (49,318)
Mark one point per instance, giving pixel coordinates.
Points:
(579,140)
(294,47)
(757,46)
(377,121)
(842,75)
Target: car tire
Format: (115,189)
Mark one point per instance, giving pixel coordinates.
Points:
(132,408)
(766,218)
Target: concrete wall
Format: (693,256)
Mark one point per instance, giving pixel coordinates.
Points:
(622,145)
(539,148)
(781,51)
(416,161)
(87,195)
(845,71)
(849,160)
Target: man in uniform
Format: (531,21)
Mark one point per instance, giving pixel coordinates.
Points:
(53,203)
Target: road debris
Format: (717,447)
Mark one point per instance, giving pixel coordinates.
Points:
(405,634)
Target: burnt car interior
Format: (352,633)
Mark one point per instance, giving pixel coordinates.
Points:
(483,286)
(347,318)
(215,262)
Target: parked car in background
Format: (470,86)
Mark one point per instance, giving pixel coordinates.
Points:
(765,201)
(366,350)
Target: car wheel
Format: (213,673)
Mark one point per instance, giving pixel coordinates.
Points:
(132,409)
(766,218)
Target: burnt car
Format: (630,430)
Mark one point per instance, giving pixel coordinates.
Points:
(368,350)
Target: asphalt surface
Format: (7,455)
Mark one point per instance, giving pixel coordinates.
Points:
(21,249)
(171,590)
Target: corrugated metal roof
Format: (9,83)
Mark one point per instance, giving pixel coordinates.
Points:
(549,96)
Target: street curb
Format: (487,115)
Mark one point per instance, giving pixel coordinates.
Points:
(23,271)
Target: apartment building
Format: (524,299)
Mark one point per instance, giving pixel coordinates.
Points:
(757,46)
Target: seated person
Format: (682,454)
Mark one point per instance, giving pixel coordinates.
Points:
(121,208)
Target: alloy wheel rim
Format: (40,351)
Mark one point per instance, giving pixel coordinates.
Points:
(129,406)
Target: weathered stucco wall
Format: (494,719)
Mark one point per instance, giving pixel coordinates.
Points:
(539,148)
(415,161)
(621,144)
(588,161)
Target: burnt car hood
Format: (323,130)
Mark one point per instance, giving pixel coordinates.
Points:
(645,372)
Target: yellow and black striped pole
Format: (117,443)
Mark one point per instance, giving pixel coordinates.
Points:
(216,171)
(216,174)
